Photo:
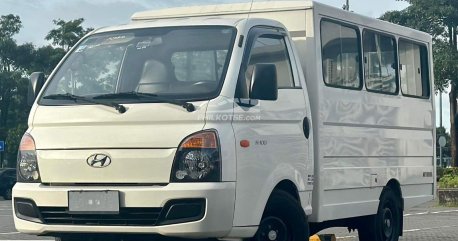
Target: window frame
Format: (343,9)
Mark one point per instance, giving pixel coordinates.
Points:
(360,52)
(294,69)
(428,69)
(396,54)
(253,34)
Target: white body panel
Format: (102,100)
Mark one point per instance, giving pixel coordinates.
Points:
(358,142)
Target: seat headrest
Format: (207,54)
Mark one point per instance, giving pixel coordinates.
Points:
(153,72)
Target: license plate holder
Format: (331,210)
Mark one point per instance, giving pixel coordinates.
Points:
(93,202)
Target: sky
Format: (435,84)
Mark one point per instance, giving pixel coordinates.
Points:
(37,16)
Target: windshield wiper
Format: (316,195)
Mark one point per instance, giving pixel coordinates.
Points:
(129,95)
(120,108)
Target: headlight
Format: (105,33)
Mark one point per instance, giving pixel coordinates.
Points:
(27,165)
(198,159)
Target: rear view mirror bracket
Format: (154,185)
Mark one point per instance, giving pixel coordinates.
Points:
(36,82)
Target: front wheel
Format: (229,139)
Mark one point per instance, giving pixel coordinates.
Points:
(8,195)
(283,220)
(386,224)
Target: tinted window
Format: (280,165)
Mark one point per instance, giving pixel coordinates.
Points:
(380,62)
(340,55)
(414,72)
(268,50)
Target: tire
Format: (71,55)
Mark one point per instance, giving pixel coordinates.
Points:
(8,195)
(386,224)
(283,220)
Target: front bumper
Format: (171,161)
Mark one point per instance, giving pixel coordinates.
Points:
(217,221)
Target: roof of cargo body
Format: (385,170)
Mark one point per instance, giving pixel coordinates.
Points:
(240,10)
(222,9)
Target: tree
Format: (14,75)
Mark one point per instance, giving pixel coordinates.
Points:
(46,58)
(9,26)
(13,61)
(440,19)
(68,33)
(17,62)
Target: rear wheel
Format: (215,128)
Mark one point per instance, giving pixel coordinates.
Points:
(386,224)
(283,220)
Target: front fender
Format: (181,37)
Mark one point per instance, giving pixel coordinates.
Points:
(250,205)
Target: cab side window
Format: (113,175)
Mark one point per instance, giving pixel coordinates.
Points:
(269,49)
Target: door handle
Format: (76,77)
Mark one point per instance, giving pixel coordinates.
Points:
(306,127)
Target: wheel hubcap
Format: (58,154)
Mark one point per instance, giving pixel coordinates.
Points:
(272,235)
(387,223)
(272,229)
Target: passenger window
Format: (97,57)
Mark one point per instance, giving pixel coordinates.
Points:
(199,65)
(268,50)
(414,70)
(380,63)
(340,55)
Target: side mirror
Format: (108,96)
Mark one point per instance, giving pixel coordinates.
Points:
(37,80)
(264,82)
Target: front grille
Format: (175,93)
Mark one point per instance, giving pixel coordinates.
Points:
(126,216)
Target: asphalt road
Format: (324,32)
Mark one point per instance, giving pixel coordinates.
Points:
(424,223)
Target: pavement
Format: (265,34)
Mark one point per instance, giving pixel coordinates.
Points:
(426,222)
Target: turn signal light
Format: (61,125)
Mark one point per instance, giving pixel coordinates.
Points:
(201,140)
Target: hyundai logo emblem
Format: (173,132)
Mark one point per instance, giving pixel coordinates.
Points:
(99,160)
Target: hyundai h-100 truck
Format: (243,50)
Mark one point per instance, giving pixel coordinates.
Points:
(264,121)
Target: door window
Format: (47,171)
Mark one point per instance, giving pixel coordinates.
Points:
(268,49)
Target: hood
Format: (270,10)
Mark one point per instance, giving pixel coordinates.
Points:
(146,125)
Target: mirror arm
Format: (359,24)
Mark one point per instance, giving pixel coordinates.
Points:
(240,103)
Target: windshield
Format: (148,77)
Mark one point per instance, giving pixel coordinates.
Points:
(187,63)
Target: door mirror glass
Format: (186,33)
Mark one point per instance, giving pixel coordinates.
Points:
(264,82)
(37,80)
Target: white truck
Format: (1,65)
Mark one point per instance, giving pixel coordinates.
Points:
(264,121)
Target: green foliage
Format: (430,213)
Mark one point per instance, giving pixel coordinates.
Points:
(449,180)
(9,26)
(13,139)
(439,172)
(16,63)
(445,64)
(451,171)
(46,58)
(68,33)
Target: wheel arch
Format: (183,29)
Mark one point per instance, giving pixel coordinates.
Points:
(251,200)
(289,187)
(396,187)
(285,185)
